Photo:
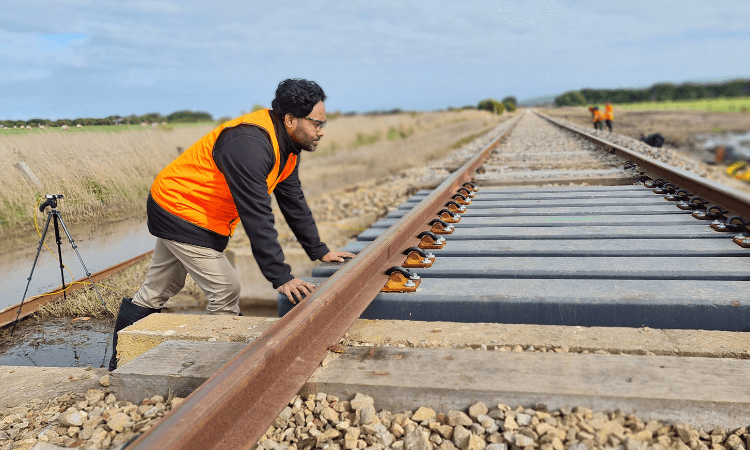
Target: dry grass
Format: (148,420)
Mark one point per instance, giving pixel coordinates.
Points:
(100,174)
(85,302)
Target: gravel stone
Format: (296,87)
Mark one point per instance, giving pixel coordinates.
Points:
(423,413)
(454,418)
(72,418)
(477,409)
(461,437)
(523,420)
(416,440)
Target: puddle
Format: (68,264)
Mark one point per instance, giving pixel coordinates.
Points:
(737,145)
(64,343)
(57,343)
(99,248)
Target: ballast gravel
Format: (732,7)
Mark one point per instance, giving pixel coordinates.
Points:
(326,422)
(94,421)
(537,149)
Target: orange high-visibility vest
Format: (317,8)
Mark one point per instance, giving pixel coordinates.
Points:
(598,116)
(608,114)
(192,187)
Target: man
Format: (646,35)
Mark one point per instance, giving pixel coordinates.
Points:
(227,176)
(596,116)
(609,115)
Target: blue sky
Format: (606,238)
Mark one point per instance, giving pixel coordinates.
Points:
(85,58)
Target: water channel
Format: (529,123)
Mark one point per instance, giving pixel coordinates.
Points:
(100,247)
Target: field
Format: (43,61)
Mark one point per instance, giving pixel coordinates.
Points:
(679,127)
(105,173)
(725,105)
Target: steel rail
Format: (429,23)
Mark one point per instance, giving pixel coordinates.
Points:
(8,315)
(715,193)
(233,408)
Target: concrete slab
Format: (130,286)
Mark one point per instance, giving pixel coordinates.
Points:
(511,202)
(669,304)
(485,195)
(587,232)
(172,368)
(582,247)
(494,335)
(582,268)
(653,387)
(702,392)
(621,220)
(475,210)
(22,384)
(157,328)
(502,337)
(554,189)
(560,173)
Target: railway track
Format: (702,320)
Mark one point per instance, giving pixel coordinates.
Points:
(563,229)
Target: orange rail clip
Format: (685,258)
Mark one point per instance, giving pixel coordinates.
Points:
(401,280)
(414,259)
(430,241)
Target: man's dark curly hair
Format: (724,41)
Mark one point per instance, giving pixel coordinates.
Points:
(297,97)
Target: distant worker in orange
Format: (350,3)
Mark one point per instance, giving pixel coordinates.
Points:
(596,116)
(608,115)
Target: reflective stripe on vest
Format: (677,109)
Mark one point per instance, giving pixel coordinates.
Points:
(192,188)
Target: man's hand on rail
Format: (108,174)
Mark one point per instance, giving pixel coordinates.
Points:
(296,289)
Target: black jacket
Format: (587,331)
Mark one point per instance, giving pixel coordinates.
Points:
(244,155)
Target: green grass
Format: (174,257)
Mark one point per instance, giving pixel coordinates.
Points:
(734,104)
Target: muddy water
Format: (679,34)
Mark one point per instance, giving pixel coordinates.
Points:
(739,143)
(100,247)
(57,343)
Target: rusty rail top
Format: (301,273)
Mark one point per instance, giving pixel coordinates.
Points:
(234,407)
(715,193)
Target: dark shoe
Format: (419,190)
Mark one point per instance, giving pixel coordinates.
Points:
(129,314)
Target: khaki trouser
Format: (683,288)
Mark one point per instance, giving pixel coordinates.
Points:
(210,270)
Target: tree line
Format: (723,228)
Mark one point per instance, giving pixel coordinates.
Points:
(176,117)
(657,93)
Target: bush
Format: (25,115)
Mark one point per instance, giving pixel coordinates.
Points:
(491,105)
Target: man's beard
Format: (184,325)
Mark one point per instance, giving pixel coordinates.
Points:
(310,145)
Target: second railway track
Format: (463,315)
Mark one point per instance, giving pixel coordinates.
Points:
(545,227)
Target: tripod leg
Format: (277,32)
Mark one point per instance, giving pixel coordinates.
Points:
(59,253)
(33,266)
(75,248)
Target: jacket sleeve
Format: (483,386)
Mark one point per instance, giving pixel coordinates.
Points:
(293,206)
(245,159)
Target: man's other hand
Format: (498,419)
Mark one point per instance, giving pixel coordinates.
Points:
(337,256)
(296,289)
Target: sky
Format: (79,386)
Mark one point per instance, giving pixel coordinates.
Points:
(85,58)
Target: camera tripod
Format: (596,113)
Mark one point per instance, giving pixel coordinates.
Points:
(54,216)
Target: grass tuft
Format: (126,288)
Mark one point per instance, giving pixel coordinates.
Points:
(85,302)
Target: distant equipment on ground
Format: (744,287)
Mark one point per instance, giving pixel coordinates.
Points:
(654,140)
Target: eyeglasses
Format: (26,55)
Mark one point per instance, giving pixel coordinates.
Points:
(318,124)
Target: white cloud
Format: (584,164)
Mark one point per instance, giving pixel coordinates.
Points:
(406,53)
